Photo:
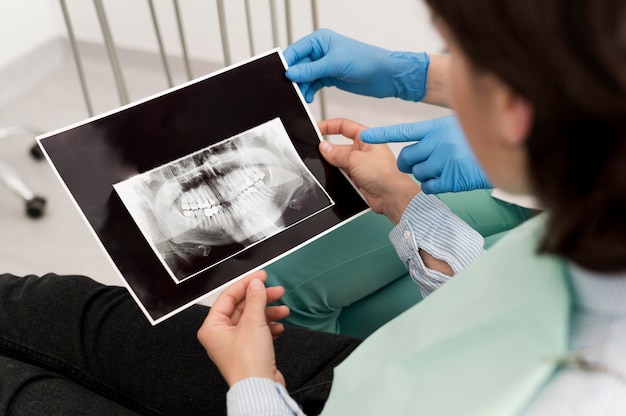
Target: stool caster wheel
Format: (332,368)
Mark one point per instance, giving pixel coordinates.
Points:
(36,152)
(35,207)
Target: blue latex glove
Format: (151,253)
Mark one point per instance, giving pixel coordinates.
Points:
(325,58)
(441,159)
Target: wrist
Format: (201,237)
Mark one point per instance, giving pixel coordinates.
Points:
(397,200)
(436,81)
(409,74)
(248,371)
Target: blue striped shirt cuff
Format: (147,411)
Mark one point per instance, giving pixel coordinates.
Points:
(256,396)
(427,223)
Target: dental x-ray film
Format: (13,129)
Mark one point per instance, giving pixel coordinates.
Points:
(193,188)
(207,207)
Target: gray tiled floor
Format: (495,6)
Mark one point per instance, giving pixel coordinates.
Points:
(61,242)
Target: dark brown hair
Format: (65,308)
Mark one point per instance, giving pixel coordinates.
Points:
(568,59)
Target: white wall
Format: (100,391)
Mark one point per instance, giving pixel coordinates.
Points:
(396,24)
(25,25)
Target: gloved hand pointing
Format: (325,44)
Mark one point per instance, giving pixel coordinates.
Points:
(325,58)
(441,159)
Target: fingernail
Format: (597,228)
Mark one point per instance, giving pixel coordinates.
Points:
(325,147)
(256,284)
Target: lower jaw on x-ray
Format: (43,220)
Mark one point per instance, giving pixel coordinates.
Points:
(233,193)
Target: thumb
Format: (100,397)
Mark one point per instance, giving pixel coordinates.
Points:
(308,71)
(256,302)
(338,156)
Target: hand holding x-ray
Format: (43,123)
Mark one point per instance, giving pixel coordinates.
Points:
(372,168)
(325,58)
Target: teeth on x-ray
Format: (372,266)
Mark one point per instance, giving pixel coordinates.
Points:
(211,200)
(236,191)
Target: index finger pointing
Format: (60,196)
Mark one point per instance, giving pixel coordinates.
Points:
(406,132)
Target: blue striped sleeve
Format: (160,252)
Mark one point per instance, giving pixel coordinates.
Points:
(257,396)
(427,223)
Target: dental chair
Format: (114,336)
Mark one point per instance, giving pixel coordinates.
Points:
(34,204)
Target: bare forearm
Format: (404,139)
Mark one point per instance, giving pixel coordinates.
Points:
(434,263)
(437,81)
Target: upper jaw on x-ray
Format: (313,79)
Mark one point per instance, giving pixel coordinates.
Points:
(233,192)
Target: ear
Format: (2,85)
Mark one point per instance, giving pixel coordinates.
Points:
(516,117)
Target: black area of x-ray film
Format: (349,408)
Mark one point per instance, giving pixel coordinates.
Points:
(175,134)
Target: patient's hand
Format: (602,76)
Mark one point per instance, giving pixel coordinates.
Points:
(372,168)
(239,330)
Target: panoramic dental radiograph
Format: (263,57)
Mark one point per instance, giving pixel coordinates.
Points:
(223,198)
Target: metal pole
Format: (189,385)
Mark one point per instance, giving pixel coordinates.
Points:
(108,41)
(314,13)
(249,25)
(183,44)
(316,26)
(274,23)
(223,32)
(79,66)
(10,179)
(157,32)
(288,21)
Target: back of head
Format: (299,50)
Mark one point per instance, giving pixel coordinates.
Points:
(568,59)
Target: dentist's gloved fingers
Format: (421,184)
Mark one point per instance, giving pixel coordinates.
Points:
(416,153)
(307,93)
(427,170)
(406,132)
(311,71)
(313,88)
(309,89)
(311,77)
(457,176)
(301,50)
(434,186)
(304,60)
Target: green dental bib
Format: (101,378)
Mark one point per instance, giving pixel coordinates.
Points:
(483,344)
